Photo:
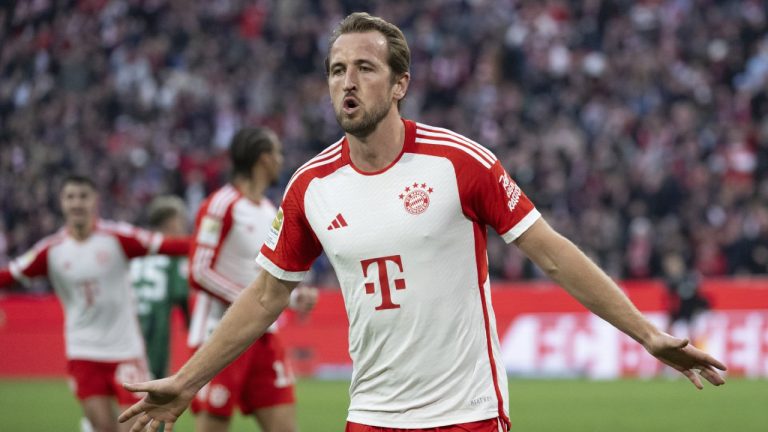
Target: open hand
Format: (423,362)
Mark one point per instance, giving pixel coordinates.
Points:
(163,403)
(686,358)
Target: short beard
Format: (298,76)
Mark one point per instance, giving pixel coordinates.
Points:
(365,126)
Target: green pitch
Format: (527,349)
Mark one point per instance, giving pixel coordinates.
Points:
(559,405)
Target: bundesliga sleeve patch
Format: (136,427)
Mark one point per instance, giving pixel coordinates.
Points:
(210,231)
(275,229)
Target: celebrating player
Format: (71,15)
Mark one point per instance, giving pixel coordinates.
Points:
(87,262)
(401,209)
(230,227)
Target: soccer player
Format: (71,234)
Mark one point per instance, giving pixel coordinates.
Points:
(231,225)
(160,283)
(401,210)
(87,262)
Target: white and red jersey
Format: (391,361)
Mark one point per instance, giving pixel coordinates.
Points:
(92,280)
(229,230)
(408,244)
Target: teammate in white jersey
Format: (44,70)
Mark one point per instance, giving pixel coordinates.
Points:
(87,262)
(231,225)
(401,209)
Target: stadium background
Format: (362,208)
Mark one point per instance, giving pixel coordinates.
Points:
(638,128)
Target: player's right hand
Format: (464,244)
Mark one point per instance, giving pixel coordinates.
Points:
(163,403)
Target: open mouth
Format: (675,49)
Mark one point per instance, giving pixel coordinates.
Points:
(350,104)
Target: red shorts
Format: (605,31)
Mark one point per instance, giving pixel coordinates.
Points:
(259,378)
(490,425)
(94,378)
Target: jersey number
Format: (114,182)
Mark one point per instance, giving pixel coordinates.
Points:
(283,375)
(150,279)
(381,265)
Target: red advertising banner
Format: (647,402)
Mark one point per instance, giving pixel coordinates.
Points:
(543,332)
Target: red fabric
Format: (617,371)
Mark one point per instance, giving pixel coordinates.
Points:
(175,246)
(490,425)
(6,279)
(90,378)
(261,377)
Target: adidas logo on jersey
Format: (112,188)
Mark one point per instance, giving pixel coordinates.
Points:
(338,222)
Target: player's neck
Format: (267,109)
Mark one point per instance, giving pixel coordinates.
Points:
(379,149)
(251,188)
(80,232)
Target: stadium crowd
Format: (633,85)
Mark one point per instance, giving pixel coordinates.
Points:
(638,128)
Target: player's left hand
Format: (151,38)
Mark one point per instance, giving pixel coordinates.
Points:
(687,359)
(303,298)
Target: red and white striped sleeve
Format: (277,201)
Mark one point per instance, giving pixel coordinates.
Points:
(488,194)
(212,225)
(291,246)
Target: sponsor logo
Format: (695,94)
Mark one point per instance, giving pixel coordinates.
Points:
(511,189)
(385,287)
(337,222)
(416,198)
(480,400)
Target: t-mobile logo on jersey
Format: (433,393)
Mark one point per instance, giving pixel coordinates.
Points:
(370,287)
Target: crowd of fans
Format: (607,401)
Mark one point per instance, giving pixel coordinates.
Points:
(639,128)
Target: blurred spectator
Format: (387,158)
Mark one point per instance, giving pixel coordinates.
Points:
(686,303)
(637,127)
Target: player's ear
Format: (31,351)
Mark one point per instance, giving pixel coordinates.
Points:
(401,86)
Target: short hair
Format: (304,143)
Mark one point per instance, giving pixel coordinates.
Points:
(247,146)
(78,179)
(399,59)
(163,208)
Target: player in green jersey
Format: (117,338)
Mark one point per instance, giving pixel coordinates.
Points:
(160,283)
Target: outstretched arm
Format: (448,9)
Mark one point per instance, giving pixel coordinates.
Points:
(247,318)
(574,271)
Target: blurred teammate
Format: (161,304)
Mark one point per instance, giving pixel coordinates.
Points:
(87,262)
(401,209)
(230,227)
(160,283)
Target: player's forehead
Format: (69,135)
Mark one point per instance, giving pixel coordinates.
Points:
(74,188)
(354,47)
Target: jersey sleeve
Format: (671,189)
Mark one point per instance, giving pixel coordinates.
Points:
(291,246)
(491,197)
(135,241)
(174,246)
(32,264)
(211,229)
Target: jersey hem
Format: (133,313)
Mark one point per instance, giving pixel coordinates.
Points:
(425,424)
(521,226)
(277,272)
(102,357)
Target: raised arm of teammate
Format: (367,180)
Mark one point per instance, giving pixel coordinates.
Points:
(247,318)
(574,271)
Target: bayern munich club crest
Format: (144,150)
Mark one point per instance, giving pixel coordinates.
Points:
(415,198)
